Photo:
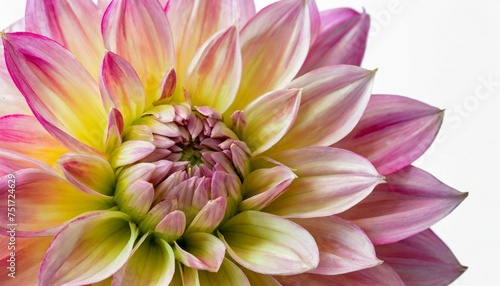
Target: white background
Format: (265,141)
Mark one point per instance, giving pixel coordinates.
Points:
(443,53)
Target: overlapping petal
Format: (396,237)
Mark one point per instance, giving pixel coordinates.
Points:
(421,260)
(333,100)
(201,251)
(88,249)
(24,135)
(13,101)
(44,201)
(341,40)
(73,24)
(343,247)
(269,117)
(410,202)
(272,55)
(228,274)
(213,77)
(393,132)
(268,244)
(28,255)
(139,31)
(152,263)
(330,181)
(379,275)
(56,86)
(11,162)
(121,88)
(195,21)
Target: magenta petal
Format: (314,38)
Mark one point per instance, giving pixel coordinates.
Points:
(341,40)
(73,24)
(410,202)
(57,87)
(422,260)
(343,247)
(381,275)
(393,132)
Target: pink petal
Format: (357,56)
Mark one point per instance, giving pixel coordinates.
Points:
(44,201)
(114,130)
(228,274)
(393,132)
(263,186)
(269,117)
(24,134)
(194,22)
(330,181)
(152,263)
(103,5)
(73,24)
(57,88)
(11,162)
(379,275)
(209,216)
(422,260)
(90,174)
(121,88)
(343,247)
(88,249)
(172,226)
(28,252)
(139,31)
(341,40)
(315,20)
(136,200)
(13,101)
(130,152)
(269,244)
(333,100)
(410,202)
(273,54)
(213,77)
(200,250)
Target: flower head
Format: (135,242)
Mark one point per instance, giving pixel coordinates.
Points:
(202,143)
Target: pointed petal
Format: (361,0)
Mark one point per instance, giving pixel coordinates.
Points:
(333,100)
(153,263)
(44,201)
(13,101)
(28,252)
(228,274)
(130,152)
(139,31)
(410,202)
(422,259)
(268,244)
(136,200)
(393,132)
(121,88)
(379,275)
(209,216)
(114,130)
(263,186)
(341,40)
(343,247)
(56,87)
(73,24)
(213,77)
(11,162)
(171,226)
(103,5)
(315,20)
(269,117)
(273,54)
(24,134)
(194,22)
(78,256)
(89,173)
(330,181)
(201,251)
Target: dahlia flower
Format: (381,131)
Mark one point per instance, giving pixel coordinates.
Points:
(204,143)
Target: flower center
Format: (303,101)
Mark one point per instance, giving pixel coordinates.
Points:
(196,159)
